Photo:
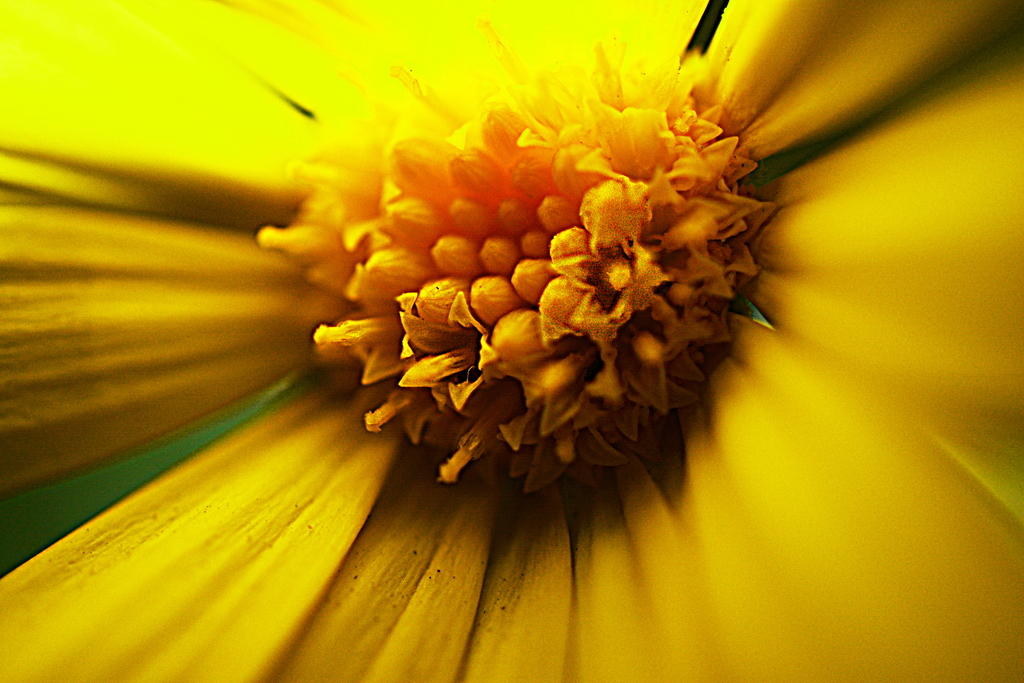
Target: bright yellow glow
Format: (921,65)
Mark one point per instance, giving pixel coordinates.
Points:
(846,507)
(98,85)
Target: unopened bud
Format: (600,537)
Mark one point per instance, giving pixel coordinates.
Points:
(500,130)
(499,255)
(422,167)
(413,221)
(535,244)
(515,217)
(530,278)
(517,334)
(679,293)
(556,213)
(648,349)
(456,255)
(492,297)
(389,272)
(476,173)
(471,218)
(435,298)
(532,175)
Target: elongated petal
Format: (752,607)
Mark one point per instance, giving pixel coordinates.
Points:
(668,561)
(209,571)
(791,72)
(116,330)
(643,607)
(898,256)
(617,637)
(301,70)
(403,602)
(522,623)
(542,32)
(840,542)
(94,85)
(447,54)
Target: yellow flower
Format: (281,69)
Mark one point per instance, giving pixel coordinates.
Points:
(849,506)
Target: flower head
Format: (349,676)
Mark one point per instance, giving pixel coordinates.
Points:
(542,281)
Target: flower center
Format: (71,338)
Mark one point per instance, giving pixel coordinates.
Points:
(543,285)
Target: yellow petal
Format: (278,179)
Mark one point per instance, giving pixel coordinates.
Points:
(444,50)
(840,542)
(548,32)
(116,330)
(403,602)
(47,179)
(299,69)
(207,573)
(667,557)
(97,86)
(792,72)
(522,623)
(897,256)
(616,637)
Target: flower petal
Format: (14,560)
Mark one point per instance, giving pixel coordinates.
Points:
(897,256)
(522,623)
(641,611)
(667,557)
(774,62)
(298,69)
(613,631)
(402,605)
(118,329)
(442,47)
(236,544)
(840,542)
(99,87)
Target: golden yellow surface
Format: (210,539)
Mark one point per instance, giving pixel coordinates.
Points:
(849,508)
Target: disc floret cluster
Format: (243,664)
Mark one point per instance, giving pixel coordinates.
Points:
(542,286)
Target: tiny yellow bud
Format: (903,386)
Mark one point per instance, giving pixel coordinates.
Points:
(535,244)
(530,278)
(517,334)
(471,218)
(421,167)
(515,217)
(389,272)
(435,298)
(648,349)
(499,255)
(679,293)
(456,255)
(556,213)
(532,175)
(500,129)
(477,173)
(413,221)
(492,297)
